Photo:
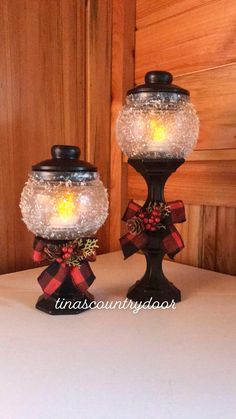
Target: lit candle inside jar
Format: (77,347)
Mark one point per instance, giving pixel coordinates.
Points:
(158,137)
(66,211)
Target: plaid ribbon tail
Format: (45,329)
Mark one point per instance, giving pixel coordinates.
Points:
(177,212)
(38,247)
(131,243)
(131,210)
(52,278)
(172,243)
(82,276)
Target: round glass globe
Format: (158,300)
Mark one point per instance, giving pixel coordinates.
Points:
(157,125)
(64,208)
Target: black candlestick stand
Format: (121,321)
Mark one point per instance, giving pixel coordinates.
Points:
(154,284)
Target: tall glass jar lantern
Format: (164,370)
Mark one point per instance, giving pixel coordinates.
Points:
(157,129)
(64,203)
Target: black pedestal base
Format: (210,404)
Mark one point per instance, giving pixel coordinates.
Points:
(141,293)
(59,305)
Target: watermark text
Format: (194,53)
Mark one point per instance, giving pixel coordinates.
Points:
(135,307)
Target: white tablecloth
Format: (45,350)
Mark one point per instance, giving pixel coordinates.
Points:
(115,364)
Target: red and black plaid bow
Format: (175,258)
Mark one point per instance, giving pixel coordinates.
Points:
(171,242)
(56,273)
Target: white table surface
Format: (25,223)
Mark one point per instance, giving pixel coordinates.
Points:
(115,364)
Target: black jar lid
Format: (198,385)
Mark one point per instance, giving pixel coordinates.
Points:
(158,81)
(65,158)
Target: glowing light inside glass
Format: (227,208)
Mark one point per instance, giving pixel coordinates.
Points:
(66,205)
(157,125)
(63,209)
(158,132)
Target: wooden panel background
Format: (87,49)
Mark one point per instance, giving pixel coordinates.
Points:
(123,36)
(98,95)
(65,66)
(55,88)
(195,40)
(41,73)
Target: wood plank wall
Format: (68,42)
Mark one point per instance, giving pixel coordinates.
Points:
(55,88)
(123,37)
(98,95)
(195,40)
(42,102)
(65,66)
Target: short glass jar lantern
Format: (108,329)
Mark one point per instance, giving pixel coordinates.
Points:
(64,203)
(156,128)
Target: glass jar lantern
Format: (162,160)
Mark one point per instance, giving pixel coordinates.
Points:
(64,197)
(157,129)
(158,120)
(64,203)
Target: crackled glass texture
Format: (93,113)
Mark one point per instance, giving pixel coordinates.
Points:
(157,125)
(62,209)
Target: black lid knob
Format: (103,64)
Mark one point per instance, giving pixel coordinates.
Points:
(65,152)
(65,158)
(158,81)
(163,77)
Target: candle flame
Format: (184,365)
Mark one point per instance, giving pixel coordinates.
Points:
(65,205)
(158,132)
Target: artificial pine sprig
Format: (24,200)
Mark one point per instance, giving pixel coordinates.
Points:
(71,253)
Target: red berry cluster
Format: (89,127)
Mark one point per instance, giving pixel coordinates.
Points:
(150,219)
(66,254)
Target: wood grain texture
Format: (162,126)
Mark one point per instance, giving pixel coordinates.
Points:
(202,38)
(219,243)
(123,34)
(226,240)
(213,93)
(205,183)
(98,95)
(153,11)
(209,237)
(217,155)
(195,40)
(73,65)
(209,224)
(41,73)
(191,232)
(7,190)
(55,71)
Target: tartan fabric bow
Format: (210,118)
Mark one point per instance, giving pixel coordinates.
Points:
(164,218)
(56,273)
